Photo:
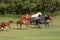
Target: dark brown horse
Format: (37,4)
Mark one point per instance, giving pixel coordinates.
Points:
(4,24)
(44,20)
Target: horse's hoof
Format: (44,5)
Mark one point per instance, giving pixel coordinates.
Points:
(38,27)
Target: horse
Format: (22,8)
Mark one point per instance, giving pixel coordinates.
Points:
(23,21)
(28,16)
(4,24)
(34,17)
(41,19)
(51,18)
(22,16)
(44,20)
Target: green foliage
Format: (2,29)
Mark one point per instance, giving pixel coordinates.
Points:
(27,6)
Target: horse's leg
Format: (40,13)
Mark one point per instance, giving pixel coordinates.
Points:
(27,26)
(31,22)
(17,24)
(47,24)
(0,27)
(21,26)
(9,26)
(51,21)
(37,25)
(4,28)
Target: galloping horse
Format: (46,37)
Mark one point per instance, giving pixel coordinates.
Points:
(51,18)
(3,24)
(23,21)
(42,20)
(35,17)
(28,16)
(22,16)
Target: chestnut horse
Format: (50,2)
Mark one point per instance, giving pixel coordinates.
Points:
(28,16)
(23,21)
(51,18)
(3,24)
(22,16)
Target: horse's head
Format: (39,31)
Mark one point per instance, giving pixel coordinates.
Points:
(51,17)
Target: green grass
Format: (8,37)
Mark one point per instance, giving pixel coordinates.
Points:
(49,33)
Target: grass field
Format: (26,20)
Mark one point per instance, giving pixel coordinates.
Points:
(49,33)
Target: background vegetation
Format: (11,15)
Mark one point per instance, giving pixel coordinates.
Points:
(26,6)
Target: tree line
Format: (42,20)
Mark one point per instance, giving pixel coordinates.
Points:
(26,6)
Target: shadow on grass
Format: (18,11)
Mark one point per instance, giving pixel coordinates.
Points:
(35,27)
(1,30)
(18,29)
(32,27)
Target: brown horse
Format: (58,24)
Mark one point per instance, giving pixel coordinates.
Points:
(23,21)
(51,18)
(28,16)
(4,24)
(22,16)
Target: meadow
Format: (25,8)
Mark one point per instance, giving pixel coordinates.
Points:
(50,33)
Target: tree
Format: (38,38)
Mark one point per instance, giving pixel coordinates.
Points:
(27,6)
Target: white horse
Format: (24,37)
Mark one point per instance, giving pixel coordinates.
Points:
(36,15)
